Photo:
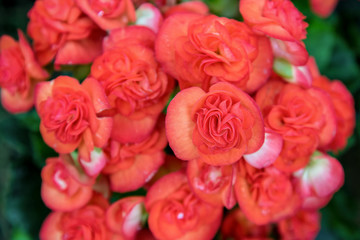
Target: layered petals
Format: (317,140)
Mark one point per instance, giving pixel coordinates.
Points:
(265,195)
(68,115)
(19,71)
(63,187)
(218,127)
(176,213)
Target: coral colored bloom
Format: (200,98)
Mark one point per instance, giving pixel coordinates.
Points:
(108,15)
(323,8)
(236,226)
(19,72)
(130,166)
(125,217)
(68,118)
(305,119)
(85,223)
(60,30)
(218,127)
(134,83)
(265,195)
(201,50)
(280,20)
(303,225)
(176,213)
(64,187)
(343,103)
(322,177)
(149,16)
(213,184)
(188,7)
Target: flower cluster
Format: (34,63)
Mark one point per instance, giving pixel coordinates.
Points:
(249,127)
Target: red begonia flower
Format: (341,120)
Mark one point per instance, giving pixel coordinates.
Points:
(212,184)
(108,14)
(304,118)
(201,50)
(125,216)
(136,87)
(130,166)
(283,22)
(64,188)
(343,103)
(236,226)
(218,127)
(265,195)
(268,152)
(322,177)
(68,118)
(59,29)
(149,16)
(19,72)
(176,213)
(303,225)
(323,8)
(188,7)
(85,223)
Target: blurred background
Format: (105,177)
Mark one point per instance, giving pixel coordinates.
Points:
(335,44)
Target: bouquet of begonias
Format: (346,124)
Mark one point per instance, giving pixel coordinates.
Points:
(225,126)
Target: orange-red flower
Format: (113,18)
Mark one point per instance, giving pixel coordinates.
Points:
(236,226)
(323,8)
(19,72)
(87,222)
(108,14)
(130,166)
(303,225)
(218,127)
(59,29)
(176,213)
(305,119)
(202,50)
(265,195)
(343,103)
(64,188)
(68,118)
(283,22)
(213,184)
(125,217)
(136,86)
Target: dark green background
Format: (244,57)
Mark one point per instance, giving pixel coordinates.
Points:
(335,43)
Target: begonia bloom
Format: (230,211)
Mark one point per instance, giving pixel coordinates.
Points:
(68,118)
(87,222)
(303,225)
(125,216)
(130,166)
(19,72)
(64,188)
(305,118)
(213,184)
(134,83)
(265,195)
(201,50)
(343,103)
(108,15)
(283,22)
(175,213)
(60,30)
(219,126)
(236,226)
(323,8)
(322,177)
